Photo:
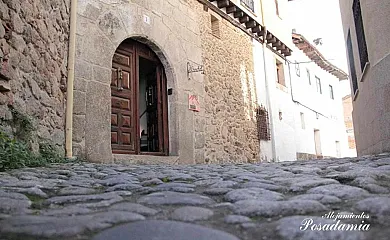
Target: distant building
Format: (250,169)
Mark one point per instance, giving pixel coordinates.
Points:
(308,106)
(367,33)
(348,108)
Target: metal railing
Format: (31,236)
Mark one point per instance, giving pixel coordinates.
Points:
(249,4)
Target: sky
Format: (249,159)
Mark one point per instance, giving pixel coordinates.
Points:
(322,19)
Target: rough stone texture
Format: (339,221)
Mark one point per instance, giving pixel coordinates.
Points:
(103,25)
(163,230)
(230,94)
(33,47)
(190,214)
(121,193)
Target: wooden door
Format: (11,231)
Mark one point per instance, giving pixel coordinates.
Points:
(123,101)
(125,122)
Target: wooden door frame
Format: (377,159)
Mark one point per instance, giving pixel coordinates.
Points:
(163,129)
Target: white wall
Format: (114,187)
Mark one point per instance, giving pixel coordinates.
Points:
(288,136)
(320,111)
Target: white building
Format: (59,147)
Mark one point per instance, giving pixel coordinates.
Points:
(305,105)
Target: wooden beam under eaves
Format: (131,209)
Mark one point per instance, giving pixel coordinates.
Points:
(269,36)
(223,3)
(256,29)
(244,19)
(272,40)
(231,9)
(238,14)
(252,23)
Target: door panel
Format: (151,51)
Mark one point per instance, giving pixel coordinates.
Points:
(122,102)
(125,122)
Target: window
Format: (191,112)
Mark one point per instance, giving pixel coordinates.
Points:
(263,129)
(215,26)
(351,61)
(280,73)
(318,81)
(303,121)
(308,76)
(361,38)
(297,69)
(331,92)
(249,4)
(277,7)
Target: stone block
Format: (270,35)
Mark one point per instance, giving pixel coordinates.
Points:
(79,103)
(83,69)
(102,75)
(78,128)
(98,123)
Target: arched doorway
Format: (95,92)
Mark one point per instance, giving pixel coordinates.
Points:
(139,112)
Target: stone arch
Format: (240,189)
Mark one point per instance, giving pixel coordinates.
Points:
(171,83)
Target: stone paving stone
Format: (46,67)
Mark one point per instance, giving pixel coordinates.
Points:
(175,187)
(253,193)
(162,230)
(217,191)
(191,214)
(82,198)
(126,186)
(324,199)
(53,227)
(343,192)
(13,195)
(261,197)
(14,206)
(276,208)
(224,184)
(234,219)
(76,191)
(377,207)
(152,182)
(263,185)
(289,229)
(66,211)
(175,198)
(307,184)
(134,207)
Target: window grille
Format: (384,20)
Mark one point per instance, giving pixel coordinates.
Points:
(263,129)
(360,36)
(249,4)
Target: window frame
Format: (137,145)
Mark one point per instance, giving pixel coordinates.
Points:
(308,75)
(331,92)
(360,35)
(280,77)
(318,84)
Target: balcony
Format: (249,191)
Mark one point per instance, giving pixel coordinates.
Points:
(249,4)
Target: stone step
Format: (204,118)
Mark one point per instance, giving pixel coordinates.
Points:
(145,159)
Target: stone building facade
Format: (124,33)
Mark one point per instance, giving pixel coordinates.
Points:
(366,32)
(182,36)
(230,98)
(187,64)
(33,61)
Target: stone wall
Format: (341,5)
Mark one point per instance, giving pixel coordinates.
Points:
(33,54)
(230,98)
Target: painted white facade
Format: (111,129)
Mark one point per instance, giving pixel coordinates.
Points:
(286,103)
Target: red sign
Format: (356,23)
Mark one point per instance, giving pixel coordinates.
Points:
(193,103)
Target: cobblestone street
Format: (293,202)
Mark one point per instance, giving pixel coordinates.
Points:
(226,202)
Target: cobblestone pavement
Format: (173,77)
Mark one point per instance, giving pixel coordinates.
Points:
(226,202)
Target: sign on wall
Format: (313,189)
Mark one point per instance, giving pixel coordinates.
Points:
(193,103)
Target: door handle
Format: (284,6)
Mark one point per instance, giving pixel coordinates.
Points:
(120,79)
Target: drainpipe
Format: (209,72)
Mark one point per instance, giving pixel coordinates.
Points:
(268,97)
(69,92)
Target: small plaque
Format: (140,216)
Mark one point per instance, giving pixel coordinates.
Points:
(193,103)
(146,19)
